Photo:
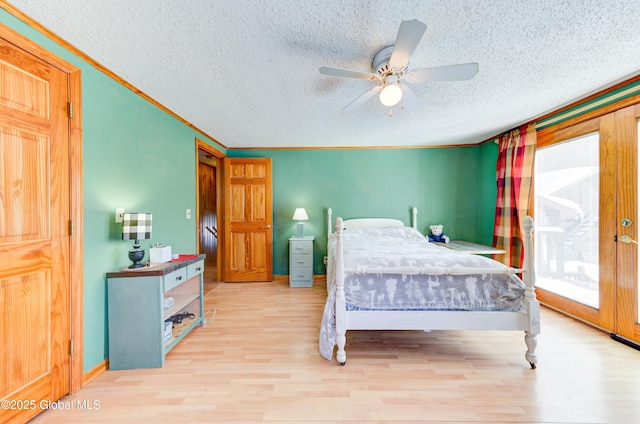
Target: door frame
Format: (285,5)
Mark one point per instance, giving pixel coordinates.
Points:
(203,146)
(76,257)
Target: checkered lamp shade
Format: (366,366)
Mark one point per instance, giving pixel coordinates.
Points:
(136,226)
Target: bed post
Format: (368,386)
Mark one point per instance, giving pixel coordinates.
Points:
(329,211)
(531,303)
(341,325)
(414,219)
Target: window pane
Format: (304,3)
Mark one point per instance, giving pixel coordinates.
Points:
(567,177)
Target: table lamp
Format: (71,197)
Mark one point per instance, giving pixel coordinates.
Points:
(136,226)
(300,215)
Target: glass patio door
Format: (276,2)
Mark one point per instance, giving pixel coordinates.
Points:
(585,206)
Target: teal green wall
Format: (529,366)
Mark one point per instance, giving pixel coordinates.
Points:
(137,157)
(134,156)
(487,191)
(442,183)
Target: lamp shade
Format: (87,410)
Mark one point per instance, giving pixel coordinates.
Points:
(136,226)
(300,215)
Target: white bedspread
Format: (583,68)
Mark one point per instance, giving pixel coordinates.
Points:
(398,269)
(404,250)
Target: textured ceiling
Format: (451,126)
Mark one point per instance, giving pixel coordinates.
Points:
(246,71)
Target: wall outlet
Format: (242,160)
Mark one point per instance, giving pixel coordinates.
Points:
(325,260)
(119,215)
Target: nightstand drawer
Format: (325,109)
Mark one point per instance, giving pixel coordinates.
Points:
(301,261)
(301,247)
(301,274)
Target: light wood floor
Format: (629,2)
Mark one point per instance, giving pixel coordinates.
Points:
(257,360)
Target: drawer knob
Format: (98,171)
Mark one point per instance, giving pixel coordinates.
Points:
(179,277)
(198,269)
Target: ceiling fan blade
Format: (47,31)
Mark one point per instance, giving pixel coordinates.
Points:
(346,73)
(464,71)
(409,99)
(363,99)
(407,40)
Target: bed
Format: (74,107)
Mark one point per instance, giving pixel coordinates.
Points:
(382,275)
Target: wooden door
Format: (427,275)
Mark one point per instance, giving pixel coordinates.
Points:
(627,219)
(248,220)
(34,234)
(207,215)
(593,278)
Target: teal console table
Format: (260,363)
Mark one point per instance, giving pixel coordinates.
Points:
(139,304)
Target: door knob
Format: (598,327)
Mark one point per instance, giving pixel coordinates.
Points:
(266,227)
(627,239)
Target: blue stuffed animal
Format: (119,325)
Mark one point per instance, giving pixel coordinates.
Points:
(437,235)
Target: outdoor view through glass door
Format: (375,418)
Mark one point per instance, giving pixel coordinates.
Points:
(567,178)
(586,212)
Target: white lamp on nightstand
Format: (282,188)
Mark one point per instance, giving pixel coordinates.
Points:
(300,215)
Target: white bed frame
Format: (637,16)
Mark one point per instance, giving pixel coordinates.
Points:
(528,321)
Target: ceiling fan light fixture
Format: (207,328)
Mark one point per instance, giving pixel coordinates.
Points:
(390,95)
(391,71)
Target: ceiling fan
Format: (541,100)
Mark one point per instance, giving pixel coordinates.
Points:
(391,66)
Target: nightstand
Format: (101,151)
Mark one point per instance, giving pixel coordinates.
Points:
(301,261)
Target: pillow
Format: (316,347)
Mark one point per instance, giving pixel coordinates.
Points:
(406,233)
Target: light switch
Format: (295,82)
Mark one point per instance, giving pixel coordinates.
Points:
(119,215)
(188,213)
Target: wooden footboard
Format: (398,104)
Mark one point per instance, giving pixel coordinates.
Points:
(528,321)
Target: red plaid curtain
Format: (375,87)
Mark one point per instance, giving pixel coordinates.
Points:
(514,175)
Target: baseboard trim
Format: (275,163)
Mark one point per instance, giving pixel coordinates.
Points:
(286,277)
(95,371)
